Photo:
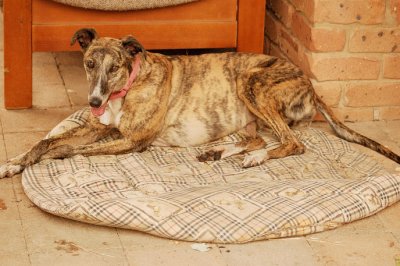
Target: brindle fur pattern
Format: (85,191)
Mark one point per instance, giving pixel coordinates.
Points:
(187,101)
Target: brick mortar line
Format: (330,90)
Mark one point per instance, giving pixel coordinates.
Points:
(342,99)
(381,69)
(380,106)
(347,42)
(345,52)
(389,18)
(383,81)
(354,25)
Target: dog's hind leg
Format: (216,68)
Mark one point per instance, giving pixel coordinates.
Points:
(290,145)
(264,103)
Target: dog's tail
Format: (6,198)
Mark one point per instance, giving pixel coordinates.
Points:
(348,134)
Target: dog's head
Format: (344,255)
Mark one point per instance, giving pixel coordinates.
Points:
(107,62)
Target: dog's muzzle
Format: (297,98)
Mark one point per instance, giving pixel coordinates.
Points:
(95,102)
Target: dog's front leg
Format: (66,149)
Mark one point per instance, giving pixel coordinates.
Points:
(17,164)
(113,147)
(84,134)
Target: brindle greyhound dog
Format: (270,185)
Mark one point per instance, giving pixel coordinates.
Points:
(152,99)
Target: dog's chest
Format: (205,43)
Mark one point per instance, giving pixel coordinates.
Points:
(113,113)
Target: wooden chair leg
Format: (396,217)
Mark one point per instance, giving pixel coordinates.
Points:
(251,19)
(17,54)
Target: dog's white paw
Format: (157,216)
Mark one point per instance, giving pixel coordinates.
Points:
(255,158)
(8,170)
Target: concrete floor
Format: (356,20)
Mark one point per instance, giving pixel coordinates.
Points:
(29,236)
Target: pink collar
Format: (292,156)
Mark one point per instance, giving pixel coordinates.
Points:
(128,85)
(121,93)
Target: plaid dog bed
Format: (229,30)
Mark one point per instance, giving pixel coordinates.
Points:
(168,193)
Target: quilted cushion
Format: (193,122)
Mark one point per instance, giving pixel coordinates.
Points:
(122,5)
(168,193)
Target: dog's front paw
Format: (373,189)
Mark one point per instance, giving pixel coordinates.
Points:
(221,152)
(255,158)
(210,155)
(9,170)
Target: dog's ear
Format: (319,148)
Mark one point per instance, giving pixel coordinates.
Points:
(132,46)
(84,37)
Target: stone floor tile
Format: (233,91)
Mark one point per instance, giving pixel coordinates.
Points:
(69,254)
(77,87)
(45,70)
(15,259)
(45,74)
(8,201)
(50,96)
(390,218)
(42,58)
(369,224)
(69,59)
(75,84)
(17,143)
(173,254)
(290,251)
(131,239)
(169,252)
(12,238)
(60,232)
(32,120)
(358,248)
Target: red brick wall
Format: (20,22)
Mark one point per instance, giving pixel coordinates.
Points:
(350,49)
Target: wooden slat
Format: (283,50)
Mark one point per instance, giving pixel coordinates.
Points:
(178,35)
(251,19)
(50,12)
(17,54)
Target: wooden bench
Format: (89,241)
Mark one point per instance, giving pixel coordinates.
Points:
(44,25)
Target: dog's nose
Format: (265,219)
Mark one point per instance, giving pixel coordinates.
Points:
(95,102)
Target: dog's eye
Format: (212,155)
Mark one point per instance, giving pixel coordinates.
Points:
(89,64)
(114,68)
